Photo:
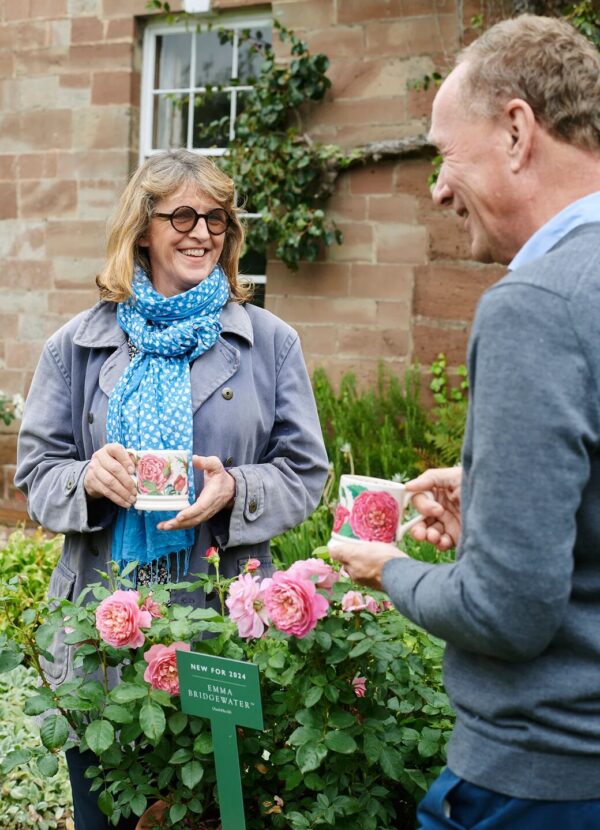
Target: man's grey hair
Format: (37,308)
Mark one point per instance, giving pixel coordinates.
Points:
(545,62)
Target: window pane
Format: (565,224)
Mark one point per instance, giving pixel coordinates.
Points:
(208,108)
(173,59)
(253,263)
(170,121)
(249,59)
(258,295)
(213,60)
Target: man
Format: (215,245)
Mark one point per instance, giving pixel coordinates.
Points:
(518,125)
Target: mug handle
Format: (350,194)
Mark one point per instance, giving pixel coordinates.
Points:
(403,528)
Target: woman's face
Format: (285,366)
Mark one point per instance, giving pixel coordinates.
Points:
(180,261)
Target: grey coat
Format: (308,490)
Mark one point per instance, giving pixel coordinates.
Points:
(252,405)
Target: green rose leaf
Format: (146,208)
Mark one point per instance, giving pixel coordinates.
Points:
(54,731)
(152,720)
(100,734)
(177,812)
(371,747)
(391,762)
(138,804)
(165,777)
(126,692)
(47,765)
(177,722)
(180,756)
(203,745)
(340,742)
(342,719)
(303,735)
(309,756)
(36,705)
(191,774)
(362,647)
(106,803)
(117,714)
(313,696)
(45,635)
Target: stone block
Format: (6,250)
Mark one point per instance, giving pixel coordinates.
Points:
(403,38)
(59,34)
(17,10)
(24,35)
(381,281)
(8,200)
(338,41)
(98,198)
(318,340)
(40,62)
(101,128)
(392,314)
(305,14)
(31,93)
(429,339)
(8,449)
(91,164)
(8,166)
(117,8)
(23,240)
(411,178)
(401,243)
(313,279)
(121,29)
(71,302)
(86,30)
(37,165)
(360,11)
(336,311)
(451,292)
(362,341)
(28,274)
(372,178)
(76,272)
(8,323)
(102,56)
(36,130)
(359,113)
(111,88)
(75,238)
(400,208)
(23,354)
(447,236)
(357,244)
(39,199)
(344,207)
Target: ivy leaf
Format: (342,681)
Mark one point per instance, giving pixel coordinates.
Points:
(340,742)
(100,735)
(54,732)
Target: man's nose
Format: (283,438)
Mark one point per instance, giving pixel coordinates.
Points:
(441,193)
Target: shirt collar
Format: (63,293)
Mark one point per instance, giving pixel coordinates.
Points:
(99,328)
(581,212)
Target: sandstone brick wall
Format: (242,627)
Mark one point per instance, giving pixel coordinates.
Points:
(400,288)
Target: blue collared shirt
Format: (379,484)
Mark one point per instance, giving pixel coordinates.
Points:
(577,213)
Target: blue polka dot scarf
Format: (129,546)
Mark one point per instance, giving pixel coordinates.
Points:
(150,408)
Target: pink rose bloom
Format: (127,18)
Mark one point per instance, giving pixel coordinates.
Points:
(371,604)
(247,607)
(341,514)
(374,516)
(251,566)
(293,604)
(308,568)
(119,620)
(162,667)
(387,606)
(360,686)
(353,601)
(152,607)
(151,471)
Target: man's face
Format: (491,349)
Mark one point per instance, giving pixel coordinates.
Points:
(475,178)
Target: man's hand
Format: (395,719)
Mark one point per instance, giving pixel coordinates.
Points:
(218,492)
(441,523)
(364,561)
(108,475)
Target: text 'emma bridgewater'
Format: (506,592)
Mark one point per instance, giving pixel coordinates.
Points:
(220,694)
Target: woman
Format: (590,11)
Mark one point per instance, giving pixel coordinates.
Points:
(170,357)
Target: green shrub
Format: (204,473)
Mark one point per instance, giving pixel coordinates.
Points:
(31,557)
(28,798)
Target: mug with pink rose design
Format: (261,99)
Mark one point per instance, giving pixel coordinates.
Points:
(371,510)
(161,479)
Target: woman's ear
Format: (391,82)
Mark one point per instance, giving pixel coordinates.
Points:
(520,123)
(143,241)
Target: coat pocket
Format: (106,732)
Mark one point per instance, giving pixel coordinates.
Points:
(61,586)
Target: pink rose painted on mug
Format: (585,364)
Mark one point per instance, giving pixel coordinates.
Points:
(374,516)
(152,474)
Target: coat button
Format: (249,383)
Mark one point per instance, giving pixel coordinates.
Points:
(228,462)
(90,417)
(252,506)
(69,485)
(227,393)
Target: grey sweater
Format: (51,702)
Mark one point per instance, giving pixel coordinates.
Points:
(520,608)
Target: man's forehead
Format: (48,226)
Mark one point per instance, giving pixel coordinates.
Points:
(445,105)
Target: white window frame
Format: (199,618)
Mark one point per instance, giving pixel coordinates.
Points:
(236,22)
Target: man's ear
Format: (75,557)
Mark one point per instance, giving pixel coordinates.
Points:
(520,124)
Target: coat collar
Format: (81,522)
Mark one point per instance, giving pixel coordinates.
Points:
(99,328)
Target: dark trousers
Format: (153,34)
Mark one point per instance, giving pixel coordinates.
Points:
(455,804)
(87,813)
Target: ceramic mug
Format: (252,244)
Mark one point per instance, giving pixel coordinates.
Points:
(371,510)
(161,479)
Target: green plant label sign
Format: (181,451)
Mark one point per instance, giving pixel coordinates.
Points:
(227,692)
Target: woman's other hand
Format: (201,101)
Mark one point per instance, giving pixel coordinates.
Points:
(441,522)
(108,475)
(218,493)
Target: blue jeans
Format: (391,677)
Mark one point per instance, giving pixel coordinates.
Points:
(85,803)
(455,804)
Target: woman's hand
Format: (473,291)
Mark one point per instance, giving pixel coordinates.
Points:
(108,475)
(218,492)
(441,522)
(364,561)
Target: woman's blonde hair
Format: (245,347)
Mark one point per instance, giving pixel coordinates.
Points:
(160,176)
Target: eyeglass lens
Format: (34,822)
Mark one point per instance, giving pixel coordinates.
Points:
(185,218)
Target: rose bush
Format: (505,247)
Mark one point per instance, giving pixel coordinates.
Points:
(355,718)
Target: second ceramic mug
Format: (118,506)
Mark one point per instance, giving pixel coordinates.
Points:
(161,479)
(371,510)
